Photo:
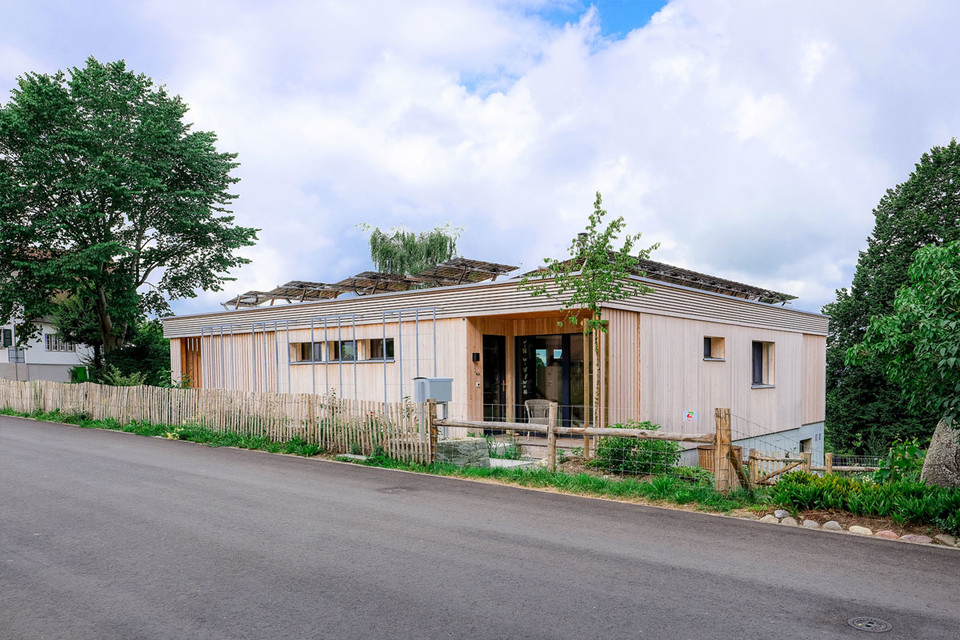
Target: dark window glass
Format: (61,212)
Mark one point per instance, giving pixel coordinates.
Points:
(377,349)
(757,363)
(707,353)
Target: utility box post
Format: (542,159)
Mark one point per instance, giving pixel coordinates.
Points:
(722,467)
(432,423)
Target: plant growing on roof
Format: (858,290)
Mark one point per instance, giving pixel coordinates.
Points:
(403,252)
(595,273)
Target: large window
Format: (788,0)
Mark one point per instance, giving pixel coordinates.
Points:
(764,359)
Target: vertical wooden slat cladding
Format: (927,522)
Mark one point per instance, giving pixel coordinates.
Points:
(176,360)
(191,362)
(814,378)
(675,377)
(623,366)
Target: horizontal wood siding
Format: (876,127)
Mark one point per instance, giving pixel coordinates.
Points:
(814,378)
(676,379)
(504,298)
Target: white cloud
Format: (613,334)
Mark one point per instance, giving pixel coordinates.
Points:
(752,139)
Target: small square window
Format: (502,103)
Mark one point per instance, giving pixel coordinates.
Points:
(714,349)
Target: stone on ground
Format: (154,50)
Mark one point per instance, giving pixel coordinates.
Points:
(790,522)
(886,533)
(781,513)
(942,463)
(860,531)
(770,519)
(913,537)
(832,525)
(810,524)
(947,539)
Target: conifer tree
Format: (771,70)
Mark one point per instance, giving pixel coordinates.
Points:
(865,411)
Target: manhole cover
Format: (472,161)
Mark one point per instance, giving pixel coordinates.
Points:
(876,625)
(393,490)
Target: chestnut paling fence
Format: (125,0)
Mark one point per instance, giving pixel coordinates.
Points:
(400,430)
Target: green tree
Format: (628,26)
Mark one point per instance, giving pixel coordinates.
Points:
(146,353)
(107,195)
(595,273)
(405,252)
(918,344)
(864,409)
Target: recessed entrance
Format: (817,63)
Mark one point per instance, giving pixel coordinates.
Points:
(550,368)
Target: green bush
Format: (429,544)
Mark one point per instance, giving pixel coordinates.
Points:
(905,501)
(631,455)
(904,462)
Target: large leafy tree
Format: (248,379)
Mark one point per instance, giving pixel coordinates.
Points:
(865,411)
(918,344)
(594,273)
(400,251)
(108,197)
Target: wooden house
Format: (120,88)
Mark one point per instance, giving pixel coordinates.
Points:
(671,356)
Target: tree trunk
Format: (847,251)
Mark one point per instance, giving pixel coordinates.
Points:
(107,334)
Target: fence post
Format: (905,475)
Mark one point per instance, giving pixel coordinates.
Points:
(432,418)
(806,455)
(722,468)
(828,462)
(552,435)
(754,468)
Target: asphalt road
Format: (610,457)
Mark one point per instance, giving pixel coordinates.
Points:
(107,535)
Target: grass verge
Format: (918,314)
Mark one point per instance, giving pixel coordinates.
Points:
(192,433)
(664,489)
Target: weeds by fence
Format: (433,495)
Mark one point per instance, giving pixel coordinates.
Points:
(335,424)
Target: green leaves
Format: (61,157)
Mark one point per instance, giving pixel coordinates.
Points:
(399,251)
(918,344)
(865,410)
(105,190)
(594,273)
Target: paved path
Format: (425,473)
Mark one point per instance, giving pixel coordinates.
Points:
(107,535)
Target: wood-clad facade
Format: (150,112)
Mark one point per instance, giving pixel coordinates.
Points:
(667,353)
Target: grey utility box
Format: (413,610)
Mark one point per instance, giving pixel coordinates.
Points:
(439,389)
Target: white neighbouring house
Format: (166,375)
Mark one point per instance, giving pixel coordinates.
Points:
(46,357)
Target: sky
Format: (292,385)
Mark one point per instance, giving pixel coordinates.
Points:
(751,139)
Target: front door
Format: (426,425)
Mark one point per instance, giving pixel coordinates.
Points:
(494,378)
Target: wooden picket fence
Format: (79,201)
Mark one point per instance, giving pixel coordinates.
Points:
(337,425)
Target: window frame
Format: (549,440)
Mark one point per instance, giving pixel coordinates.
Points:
(763,364)
(714,349)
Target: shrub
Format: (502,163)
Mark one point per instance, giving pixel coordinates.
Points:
(906,502)
(632,455)
(904,462)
